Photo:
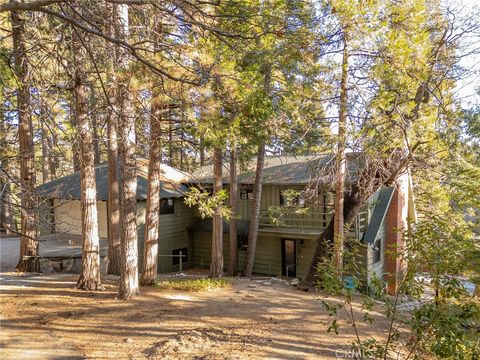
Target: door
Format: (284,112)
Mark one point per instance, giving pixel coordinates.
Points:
(289,258)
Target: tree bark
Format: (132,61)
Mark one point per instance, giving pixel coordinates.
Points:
(216,266)
(128,211)
(6,219)
(233,264)
(352,204)
(113,204)
(339,226)
(170,143)
(46,156)
(255,214)
(93,116)
(28,260)
(152,217)
(257,189)
(53,160)
(75,144)
(90,273)
(202,151)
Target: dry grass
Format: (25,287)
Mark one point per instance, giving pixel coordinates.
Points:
(194,285)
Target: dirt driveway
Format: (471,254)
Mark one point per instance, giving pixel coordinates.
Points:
(45,317)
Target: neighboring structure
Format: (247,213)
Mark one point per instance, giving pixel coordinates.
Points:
(296,206)
(61,211)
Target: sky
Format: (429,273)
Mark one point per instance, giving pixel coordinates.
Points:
(468,87)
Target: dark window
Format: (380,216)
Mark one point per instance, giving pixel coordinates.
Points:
(176,258)
(246,194)
(376,250)
(242,242)
(292,199)
(167,206)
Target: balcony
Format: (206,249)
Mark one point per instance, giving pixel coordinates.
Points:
(306,220)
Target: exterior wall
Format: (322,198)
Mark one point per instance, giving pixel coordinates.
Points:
(173,227)
(45,217)
(68,217)
(270,197)
(378,268)
(268,257)
(174,235)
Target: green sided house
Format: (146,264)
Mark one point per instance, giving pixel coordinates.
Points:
(296,206)
(60,212)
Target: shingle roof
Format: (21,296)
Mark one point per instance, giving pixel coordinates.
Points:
(68,187)
(379,212)
(284,170)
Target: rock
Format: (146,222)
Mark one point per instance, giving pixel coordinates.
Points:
(46,267)
(294,282)
(267,283)
(68,265)
(129,340)
(252,285)
(238,292)
(56,266)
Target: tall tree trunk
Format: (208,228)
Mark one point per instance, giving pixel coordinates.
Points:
(75,144)
(216,266)
(128,211)
(202,151)
(113,204)
(257,189)
(6,219)
(53,160)
(255,212)
(46,156)
(152,217)
(170,143)
(94,118)
(28,260)
(90,273)
(353,203)
(339,226)
(233,264)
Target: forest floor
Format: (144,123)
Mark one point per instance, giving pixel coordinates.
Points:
(46,317)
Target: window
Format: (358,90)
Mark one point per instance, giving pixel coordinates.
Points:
(246,194)
(167,206)
(242,242)
(176,257)
(376,250)
(292,197)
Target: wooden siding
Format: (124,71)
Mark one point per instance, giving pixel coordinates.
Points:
(377,268)
(173,235)
(173,227)
(268,257)
(68,218)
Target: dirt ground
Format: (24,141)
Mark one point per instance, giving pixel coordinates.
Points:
(46,317)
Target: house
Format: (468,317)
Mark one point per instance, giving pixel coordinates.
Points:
(61,211)
(296,206)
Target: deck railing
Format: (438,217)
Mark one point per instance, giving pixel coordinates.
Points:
(313,219)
